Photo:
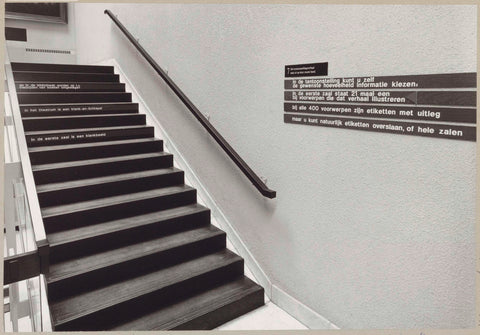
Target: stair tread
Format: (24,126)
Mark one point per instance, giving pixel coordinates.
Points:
(193,307)
(89,302)
(105,179)
(117,199)
(64,74)
(80,233)
(74,267)
(89,145)
(76,130)
(26,118)
(40,167)
(49,67)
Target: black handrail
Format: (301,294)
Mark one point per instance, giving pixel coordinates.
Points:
(257,182)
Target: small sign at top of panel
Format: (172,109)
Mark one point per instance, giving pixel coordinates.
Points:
(306,70)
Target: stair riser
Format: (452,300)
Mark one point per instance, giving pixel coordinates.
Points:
(87,246)
(124,271)
(49,98)
(74,154)
(102,319)
(38,124)
(88,136)
(226,313)
(65,77)
(75,194)
(101,169)
(46,87)
(37,67)
(80,109)
(118,211)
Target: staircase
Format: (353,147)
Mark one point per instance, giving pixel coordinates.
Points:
(130,247)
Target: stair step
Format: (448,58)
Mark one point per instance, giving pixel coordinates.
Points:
(85,240)
(65,77)
(44,67)
(99,187)
(89,212)
(71,277)
(78,109)
(73,152)
(74,170)
(206,310)
(67,87)
(95,309)
(71,136)
(81,121)
(129,246)
(47,98)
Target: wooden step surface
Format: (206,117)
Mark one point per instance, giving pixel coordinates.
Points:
(190,313)
(83,151)
(61,131)
(60,271)
(124,198)
(89,168)
(98,187)
(47,67)
(106,228)
(29,76)
(105,297)
(116,159)
(49,98)
(103,180)
(89,145)
(81,121)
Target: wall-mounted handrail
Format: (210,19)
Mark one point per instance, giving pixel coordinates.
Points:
(243,166)
(30,188)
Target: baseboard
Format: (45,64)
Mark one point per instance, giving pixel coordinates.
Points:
(301,312)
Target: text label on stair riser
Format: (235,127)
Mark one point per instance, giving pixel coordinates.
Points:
(449,80)
(66,137)
(78,108)
(58,87)
(394,127)
(379,111)
(61,109)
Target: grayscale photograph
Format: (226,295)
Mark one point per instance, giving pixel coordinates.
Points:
(227,166)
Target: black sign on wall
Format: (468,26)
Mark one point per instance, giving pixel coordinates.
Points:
(402,103)
(306,70)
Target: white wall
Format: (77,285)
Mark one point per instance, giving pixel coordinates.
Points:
(44,35)
(370,230)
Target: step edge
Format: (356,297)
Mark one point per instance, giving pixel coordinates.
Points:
(105,160)
(42,189)
(223,264)
(251,290)
(73,130)
(193,211)
(86,116)
(95,144)
(184,189)
(213,233)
